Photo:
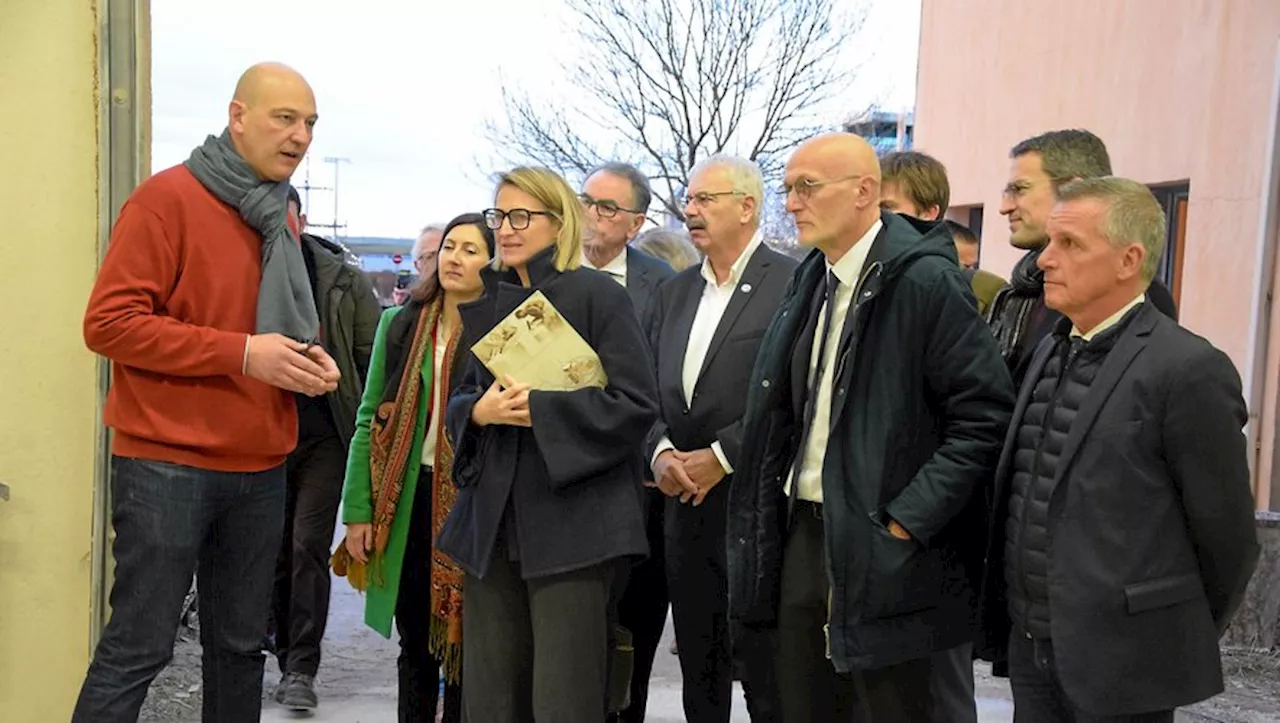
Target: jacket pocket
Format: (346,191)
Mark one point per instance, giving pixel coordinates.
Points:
(1164,592)
(901,573)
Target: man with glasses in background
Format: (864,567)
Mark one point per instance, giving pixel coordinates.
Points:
(875,412)
(616,198)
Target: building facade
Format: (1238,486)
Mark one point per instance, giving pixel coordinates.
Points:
(1185,96)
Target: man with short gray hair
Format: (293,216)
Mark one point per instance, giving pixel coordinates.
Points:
(1122,533)
(710,322)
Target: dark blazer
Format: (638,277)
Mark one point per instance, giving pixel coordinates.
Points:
(1151,523)
(573,479)
(719,397)
(920,401)
(645,274)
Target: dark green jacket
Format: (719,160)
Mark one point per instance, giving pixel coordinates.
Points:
(920,403)
(349,314)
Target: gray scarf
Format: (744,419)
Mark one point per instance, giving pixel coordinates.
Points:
(286,304)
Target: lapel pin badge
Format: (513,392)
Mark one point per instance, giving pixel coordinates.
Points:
(746,288)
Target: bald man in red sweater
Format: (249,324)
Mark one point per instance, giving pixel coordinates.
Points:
(198,306)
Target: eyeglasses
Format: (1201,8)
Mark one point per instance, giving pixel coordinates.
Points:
(704,198)
(805,187)
(604,207)
(519,218)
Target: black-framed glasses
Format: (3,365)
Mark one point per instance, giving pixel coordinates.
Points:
(519,218)
(805,187)
(603,206)
(703,199)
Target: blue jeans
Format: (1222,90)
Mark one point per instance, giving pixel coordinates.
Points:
(171,520)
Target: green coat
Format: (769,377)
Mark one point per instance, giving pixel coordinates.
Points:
(357,502)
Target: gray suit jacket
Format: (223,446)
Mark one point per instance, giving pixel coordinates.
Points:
(1151,522)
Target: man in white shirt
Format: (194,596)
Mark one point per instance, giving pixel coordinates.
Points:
(876,411)
(616,197)
(710,320)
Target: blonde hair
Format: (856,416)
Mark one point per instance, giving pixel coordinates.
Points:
(557,197)
(1134,216)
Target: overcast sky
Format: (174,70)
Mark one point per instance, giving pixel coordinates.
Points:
(404,87)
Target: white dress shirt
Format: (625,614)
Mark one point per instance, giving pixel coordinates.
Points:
(617,268)
(432,435)
(711,307)
(1108,322)
(847,271)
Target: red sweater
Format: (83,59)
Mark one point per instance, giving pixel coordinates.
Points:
(173,304)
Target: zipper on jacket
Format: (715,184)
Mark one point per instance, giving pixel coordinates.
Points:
(873,270)
(826,629)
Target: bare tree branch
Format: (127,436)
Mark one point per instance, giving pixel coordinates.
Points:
(672,82)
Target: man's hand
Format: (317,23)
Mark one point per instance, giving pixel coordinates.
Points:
(287,364)
(671,477)
(898,531)
(704,470)
(360,540)
(317,354)
(503,406)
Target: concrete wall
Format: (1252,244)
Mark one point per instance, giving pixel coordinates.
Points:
(48,393)
(1178,90)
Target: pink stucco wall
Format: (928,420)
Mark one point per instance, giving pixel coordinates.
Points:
(1178,90)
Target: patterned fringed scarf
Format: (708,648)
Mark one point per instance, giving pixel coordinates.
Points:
(391,440)
(445,639)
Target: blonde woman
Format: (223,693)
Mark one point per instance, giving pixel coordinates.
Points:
(549,501)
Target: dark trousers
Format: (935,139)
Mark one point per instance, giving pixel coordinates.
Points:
(698,579)
(952,684)
(810,689)
(300,607)
(171,520)
(1038,696)
(537,650)
(419,670)
(642,608)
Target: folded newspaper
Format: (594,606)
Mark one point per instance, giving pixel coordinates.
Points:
(536,346)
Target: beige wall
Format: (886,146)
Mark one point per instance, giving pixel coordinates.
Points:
(1179,90)
(48,392)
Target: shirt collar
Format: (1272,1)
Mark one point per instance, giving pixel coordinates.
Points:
(849,267)
(739,265)
(1108,322)
(617,267)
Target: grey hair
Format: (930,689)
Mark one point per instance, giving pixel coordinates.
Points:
(670,246)
(1133,216)
(436,227)
(743,174)
(641,194)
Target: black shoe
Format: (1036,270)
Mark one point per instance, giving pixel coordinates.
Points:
(299,692)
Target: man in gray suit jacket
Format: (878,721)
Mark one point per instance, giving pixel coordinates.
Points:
(616,197)
(1122,531)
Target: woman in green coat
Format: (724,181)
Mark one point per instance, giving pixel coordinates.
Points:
(398,487)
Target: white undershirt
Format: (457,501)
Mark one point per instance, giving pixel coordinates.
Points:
(847,271)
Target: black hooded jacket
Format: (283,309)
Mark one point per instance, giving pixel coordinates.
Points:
(920,403)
